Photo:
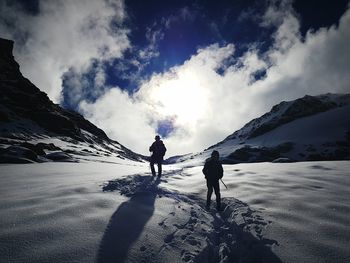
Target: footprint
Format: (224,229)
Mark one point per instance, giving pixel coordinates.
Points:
(192,241)
(169,238)
(143,248)
(193,214)
(186,256)
(192,220)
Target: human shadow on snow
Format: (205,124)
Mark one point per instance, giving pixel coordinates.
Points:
(231,238)
(123,230)
(234,242)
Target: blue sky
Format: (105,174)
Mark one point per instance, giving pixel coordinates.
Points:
(170,32)
(193,71)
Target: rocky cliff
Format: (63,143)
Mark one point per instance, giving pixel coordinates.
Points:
(28,116)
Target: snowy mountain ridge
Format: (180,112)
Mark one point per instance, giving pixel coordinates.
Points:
(35,128)
(306,129)
(288,111)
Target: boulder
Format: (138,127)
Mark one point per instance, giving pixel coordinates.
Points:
(19,152)
(13,159)
(34,147)
(58,156)
(283,160)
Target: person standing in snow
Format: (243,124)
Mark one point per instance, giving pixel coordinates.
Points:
(158,151)
(213,172)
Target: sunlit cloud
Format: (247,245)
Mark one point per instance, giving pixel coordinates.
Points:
(208,106)
(63,35)
(196,103)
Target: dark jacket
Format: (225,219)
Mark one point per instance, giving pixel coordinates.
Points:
(158,150)
(213,170)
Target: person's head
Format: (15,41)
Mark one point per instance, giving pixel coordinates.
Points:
(215,155)
(157,138)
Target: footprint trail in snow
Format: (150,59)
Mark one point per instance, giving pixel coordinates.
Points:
(158,225)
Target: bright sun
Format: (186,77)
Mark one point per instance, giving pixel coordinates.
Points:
(181,97)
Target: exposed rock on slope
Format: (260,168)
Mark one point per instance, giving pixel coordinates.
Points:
(306,129)
(285,112)
(28,115)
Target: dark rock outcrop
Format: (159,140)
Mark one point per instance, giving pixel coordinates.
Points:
(258,154)
(18,154)
(21,99)
(285,112)
(25,111)
(309,119)
(302,107)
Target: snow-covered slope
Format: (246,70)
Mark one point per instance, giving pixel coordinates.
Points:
(99,212)
(36,126)
(288,111)
(309,128)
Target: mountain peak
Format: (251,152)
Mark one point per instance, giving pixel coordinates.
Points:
(9,68)
(28,115)
(6,47)
(305,129)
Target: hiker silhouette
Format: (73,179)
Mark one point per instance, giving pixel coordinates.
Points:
(213,172)
(158,151)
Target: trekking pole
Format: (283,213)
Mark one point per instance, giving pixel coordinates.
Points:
(223,183)
(149,164)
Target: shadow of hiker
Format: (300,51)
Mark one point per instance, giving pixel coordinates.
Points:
(233,243)
(123,230)
(235,235)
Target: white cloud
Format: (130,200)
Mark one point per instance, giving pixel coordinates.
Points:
(62,35)
(224,102)
(205,106)
(79,85)
(318,64)
(153,36)
(123,118)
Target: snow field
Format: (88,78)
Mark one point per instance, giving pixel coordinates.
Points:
(104,212)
